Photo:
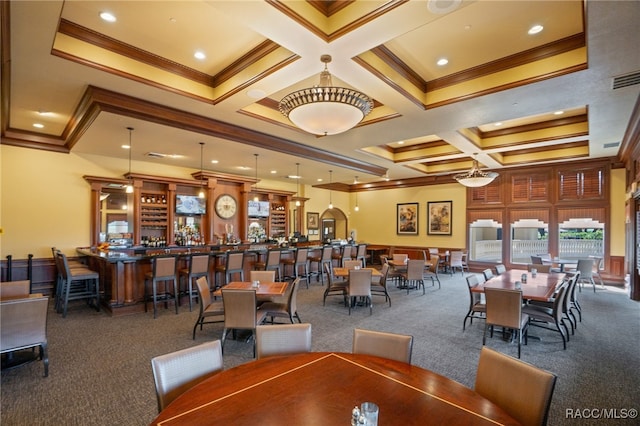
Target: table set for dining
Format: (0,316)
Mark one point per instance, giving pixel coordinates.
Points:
(322,388)
(540,286)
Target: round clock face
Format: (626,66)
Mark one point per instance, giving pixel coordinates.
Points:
(226,206)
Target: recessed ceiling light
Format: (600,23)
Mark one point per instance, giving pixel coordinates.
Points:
(558,113)
(244,167)
(199,55)
(319,180)
(293,177)
(173,20)
(214,161)
(107,16)
(175,156)
(47,113)
(442,61)
(498,124)
(256,93)
(273,172)
(38,125)
(400,142)
(125,146)
(535,29)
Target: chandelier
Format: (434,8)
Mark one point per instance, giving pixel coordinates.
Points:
(475,177)
(324,109)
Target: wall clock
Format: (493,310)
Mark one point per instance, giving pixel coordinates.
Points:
(226,206)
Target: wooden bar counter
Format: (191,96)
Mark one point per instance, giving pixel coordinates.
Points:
(122,271)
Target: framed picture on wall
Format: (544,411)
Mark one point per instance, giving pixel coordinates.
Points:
(313,220)
(407,221)
(439,219)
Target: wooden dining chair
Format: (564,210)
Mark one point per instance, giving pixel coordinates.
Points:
(393,346)
(176,372)
(282,339)
(521,389)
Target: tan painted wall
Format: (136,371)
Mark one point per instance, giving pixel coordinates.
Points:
(44,202)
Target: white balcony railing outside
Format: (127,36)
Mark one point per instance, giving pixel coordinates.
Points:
(522,250)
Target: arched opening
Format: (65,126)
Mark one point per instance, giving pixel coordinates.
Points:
(334,225)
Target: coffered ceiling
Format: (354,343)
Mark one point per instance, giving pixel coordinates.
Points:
(510,97)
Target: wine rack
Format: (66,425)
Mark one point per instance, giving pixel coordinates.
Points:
(278,220)
(153,216)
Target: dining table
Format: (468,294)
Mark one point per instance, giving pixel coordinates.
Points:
(340,272)
(264,288)
(540,287)
(322,388)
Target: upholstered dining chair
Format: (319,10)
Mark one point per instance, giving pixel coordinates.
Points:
(352,264)
(240,313)
(477,309)
(334,287)
(263,276)
(545,317)
(393,346)
(500,269)
(488,274)
(585,267)
(361,254)
(456,262)
(431,271)
(163,269)
(272,263)
(414,275)
(360,286)
(298,266)
(15,288)
(208,308)
(198,267)
(504,309)
(24,326)
(379,286)
(287,309)
(176,372)
(539,267)
(521,389)
(282,339)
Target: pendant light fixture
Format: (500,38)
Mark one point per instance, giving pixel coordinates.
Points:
(256,198)
(330,182)
(201,193)
(129,187)
(355,182)
(475,177)
(298,184)
(324,109)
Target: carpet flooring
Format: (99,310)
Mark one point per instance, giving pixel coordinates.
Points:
(100,371)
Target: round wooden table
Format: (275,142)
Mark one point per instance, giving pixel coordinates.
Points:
(321,388)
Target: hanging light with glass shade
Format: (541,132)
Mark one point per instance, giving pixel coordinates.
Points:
(475,177)
(129,187)
(201,193)
(324,109)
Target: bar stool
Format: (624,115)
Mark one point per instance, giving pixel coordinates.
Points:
(198,267)
(74,284)
(299,261)
(325,257)
(234,264)
(163,269)
(272,263)
(362,255)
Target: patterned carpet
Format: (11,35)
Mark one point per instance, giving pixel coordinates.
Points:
(100,370)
